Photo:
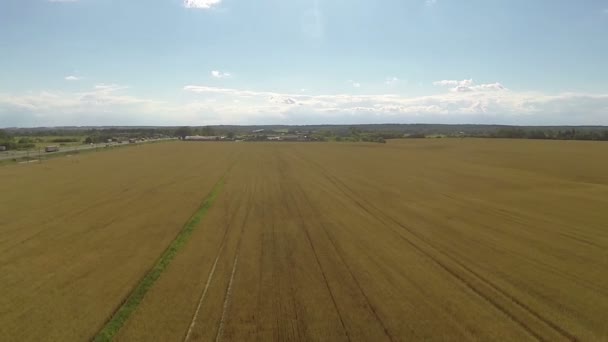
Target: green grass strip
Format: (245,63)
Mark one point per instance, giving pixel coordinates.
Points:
(119,318)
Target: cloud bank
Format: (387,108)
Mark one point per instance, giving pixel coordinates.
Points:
(462,102)
(465,86)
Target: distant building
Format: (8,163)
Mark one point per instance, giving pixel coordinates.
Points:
(202,138)
(51,149)
(290,137)
(2,148)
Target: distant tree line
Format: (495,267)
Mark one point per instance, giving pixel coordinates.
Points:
(563,134)
(351,134)
(65,140)
(24,138)
(11,143)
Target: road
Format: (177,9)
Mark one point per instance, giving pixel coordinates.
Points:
(34,153)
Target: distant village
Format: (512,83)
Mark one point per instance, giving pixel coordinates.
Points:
(257,135)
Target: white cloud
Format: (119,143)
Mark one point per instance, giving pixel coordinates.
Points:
(111,104)
(219,74)
(489,86)
(446,83)
(465,86)
(73,78)
(482,104)
(430,2)
(102,87)
(390,81)
(101,105)
(464,83)
(226,91)
(354,84)
(202,4)
(283,100)
(63,0)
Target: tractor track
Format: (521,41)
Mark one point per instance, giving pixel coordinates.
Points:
(340,254)
(315,253)
(291,282)
(385,218)
(314,250)
(210,276)
(228,293)
(547,267)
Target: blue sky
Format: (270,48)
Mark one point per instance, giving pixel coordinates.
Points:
(199,62)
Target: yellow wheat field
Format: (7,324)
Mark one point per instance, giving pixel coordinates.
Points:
(431,239)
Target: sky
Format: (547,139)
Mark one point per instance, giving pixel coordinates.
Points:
(208,62)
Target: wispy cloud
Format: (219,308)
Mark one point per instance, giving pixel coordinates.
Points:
(73,78)
(390,81)
(202,4)
(283,100)
(101,105)
(354,84)
(453,83)
(219,74)
(102,87)
(468,86)
(63,0)
(430,3)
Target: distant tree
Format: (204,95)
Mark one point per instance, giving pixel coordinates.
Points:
(183,132)
(513,133)
(25,141)
(565,135)
(7,141)
(325,133)
(207,131)
(63,140)
(230,135)
(536,134)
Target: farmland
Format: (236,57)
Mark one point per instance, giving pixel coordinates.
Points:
(429,239)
